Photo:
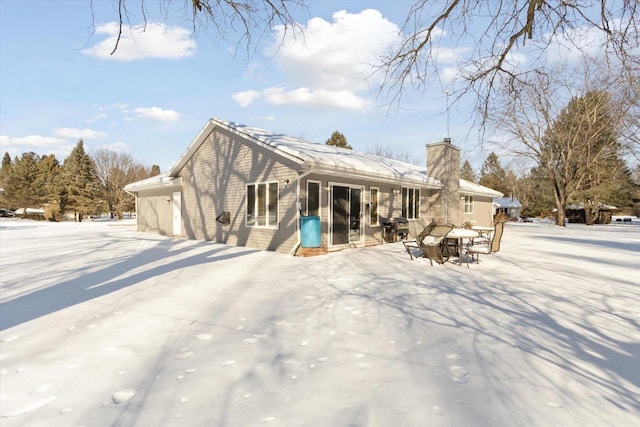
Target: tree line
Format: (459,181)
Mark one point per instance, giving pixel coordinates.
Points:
(82,184)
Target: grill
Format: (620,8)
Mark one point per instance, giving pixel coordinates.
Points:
(395,228)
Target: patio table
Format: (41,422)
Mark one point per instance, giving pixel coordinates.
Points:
(458,235)
(483,231)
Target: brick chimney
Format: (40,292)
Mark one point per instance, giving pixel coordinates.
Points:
(443,164)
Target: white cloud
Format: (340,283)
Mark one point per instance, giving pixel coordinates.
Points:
(332,64)
(79,133)
(119,147)
(95,118)
(157,114)
(317,98)
(39,144)
(246,98)
(141,42)
(572,45)
(340,54)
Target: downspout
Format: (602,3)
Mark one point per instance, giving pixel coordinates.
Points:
(298,210)
(135,197)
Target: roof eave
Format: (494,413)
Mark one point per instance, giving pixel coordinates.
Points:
(345,172)
(206,131)
(136,187)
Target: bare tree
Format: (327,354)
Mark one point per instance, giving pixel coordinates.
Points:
(115,170)
(247,20)
(496,30)
(431,30)
(571,124)
(395,153)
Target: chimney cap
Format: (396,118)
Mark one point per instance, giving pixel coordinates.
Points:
(447,140)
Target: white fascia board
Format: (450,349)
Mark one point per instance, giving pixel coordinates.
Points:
(339,172)
(165,182)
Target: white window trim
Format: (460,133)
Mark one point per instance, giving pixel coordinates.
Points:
(411,212)
(377,224)
(246,214)
(470,203)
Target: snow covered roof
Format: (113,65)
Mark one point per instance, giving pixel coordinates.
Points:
(310,156)
(601,206)
(507,202)
(163,180)
(321,158)
(468,187)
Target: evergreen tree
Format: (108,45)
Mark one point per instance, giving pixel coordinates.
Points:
(155,170)
(338,140)
(25,187)
(578,150)
(50,171)
(493,175)
(467,172)
(610,183)
(535,192)
(5,174)
(5,170)
(83,188)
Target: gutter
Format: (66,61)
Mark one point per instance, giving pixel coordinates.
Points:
(435,185)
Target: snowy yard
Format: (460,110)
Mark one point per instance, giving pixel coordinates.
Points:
(105,326)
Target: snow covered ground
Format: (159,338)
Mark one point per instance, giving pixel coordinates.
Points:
(104,326)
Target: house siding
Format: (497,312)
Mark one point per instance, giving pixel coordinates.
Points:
(482,211)
(154,212)
(214,181)
(389,205)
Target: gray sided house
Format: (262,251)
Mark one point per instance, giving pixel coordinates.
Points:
(244,186)
(509,206)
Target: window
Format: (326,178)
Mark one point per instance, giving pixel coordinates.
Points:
(262,205)
(468,204)
(410,203)
(373,209)
(313,198)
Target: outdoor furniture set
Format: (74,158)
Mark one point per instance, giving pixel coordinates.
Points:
(438,242)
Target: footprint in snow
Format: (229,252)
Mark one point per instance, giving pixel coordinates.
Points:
(250,340)
(9,338)
(184,355)
(459,374)
(229,363)
(30,407)
(438,410)
(122,396)
(40,389)
(204,337)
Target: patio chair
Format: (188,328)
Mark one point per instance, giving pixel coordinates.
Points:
(434,245)
(490,246)
(417,231)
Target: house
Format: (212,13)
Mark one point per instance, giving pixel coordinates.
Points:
(509,206)
(244,186)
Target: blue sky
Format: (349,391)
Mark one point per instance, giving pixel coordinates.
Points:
(150,99)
